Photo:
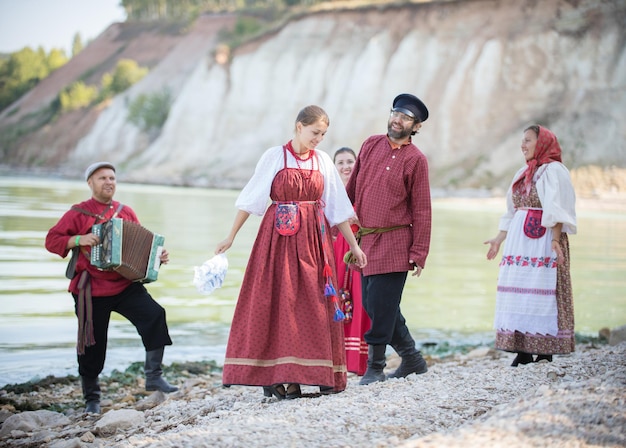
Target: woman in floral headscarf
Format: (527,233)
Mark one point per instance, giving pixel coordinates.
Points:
(534,303)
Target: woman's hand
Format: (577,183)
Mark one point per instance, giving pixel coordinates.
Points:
(494,248)
(556,247)
(223,246)
(359,256)
(240,219)
(494,245)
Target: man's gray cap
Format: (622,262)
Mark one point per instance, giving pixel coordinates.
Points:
(95,167)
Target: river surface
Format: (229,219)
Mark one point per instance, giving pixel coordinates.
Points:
(451,304)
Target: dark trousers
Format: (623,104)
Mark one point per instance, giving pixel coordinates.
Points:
(136,305)
(381,299)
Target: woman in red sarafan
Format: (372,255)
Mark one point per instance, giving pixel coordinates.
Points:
(357,321)
(287,328)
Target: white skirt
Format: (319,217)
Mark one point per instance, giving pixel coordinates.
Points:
(526,296)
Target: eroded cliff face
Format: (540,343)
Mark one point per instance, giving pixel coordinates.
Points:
(486,70)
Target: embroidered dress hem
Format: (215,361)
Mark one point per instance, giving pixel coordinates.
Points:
(515,342)
(526,295)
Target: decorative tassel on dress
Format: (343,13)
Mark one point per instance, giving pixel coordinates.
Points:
(331,293)
(329,290)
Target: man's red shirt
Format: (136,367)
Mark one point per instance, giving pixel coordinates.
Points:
(390,187)
(72,223)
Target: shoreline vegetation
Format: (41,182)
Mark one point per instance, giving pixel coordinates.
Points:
(469,398)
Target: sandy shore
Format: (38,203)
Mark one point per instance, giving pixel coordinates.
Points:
(472,400)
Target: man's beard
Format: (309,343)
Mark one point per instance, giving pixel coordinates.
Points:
(399,135)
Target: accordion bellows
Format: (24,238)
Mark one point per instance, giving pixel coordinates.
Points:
(128,248)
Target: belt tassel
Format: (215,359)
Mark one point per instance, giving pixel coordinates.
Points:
(85,314)
(329,290)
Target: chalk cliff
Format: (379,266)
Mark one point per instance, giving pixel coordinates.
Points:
(485,68)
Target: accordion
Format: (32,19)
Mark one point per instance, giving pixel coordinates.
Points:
(128,248)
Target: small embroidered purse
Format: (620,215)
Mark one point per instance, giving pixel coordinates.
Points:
(346,297)
(532,224)
(287,218)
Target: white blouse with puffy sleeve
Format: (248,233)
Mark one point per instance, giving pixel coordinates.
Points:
(255,195)
(557,196)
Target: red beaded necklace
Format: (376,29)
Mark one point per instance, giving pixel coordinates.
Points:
(299,159)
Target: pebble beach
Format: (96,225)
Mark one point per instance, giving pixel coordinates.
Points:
(465,400)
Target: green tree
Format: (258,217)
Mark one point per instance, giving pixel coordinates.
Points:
(149,111)
(22,70)
(77,95)
(77,44)
(126,73)
(55,59)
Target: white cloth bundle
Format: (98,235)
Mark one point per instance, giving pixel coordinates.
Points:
(210,276)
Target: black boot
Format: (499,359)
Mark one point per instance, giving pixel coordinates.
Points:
(152,368)
(91,393)
(522,358)
(412,360)
(542,357)
(376,362)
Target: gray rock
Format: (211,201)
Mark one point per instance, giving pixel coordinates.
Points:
(479,352)
(618,335)
(88,437)
(33,421)
(122,419)
(4,414)
(151,401)
(71,443)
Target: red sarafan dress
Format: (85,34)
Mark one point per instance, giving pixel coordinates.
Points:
(357,322)
(283,329)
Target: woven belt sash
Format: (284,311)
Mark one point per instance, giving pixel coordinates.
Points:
(348,258)
(85,314)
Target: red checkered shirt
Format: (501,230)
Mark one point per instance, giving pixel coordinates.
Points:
(389,187)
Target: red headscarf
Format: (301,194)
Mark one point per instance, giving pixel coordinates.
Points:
(547,150)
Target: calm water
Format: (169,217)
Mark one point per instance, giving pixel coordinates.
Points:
(452,302)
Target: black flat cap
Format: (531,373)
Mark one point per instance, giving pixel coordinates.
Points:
(410,105)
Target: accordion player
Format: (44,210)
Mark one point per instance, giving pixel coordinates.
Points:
(128,248)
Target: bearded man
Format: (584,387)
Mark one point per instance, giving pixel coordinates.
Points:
(390,190)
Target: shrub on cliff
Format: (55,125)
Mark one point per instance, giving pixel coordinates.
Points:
(77,95)
(127,72)
(149,111)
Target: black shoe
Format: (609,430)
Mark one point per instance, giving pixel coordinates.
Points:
(277,390)
(92,407)
(522,358)
(328,390)
(159,383)
(376,362)
(372,375)
(413,364)
(293,391)
(91,392)
(542,357)
(154,372)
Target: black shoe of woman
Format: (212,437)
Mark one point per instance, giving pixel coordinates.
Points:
(542,357)
(327,390)
(277,390)
(293,391)
(522,358)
